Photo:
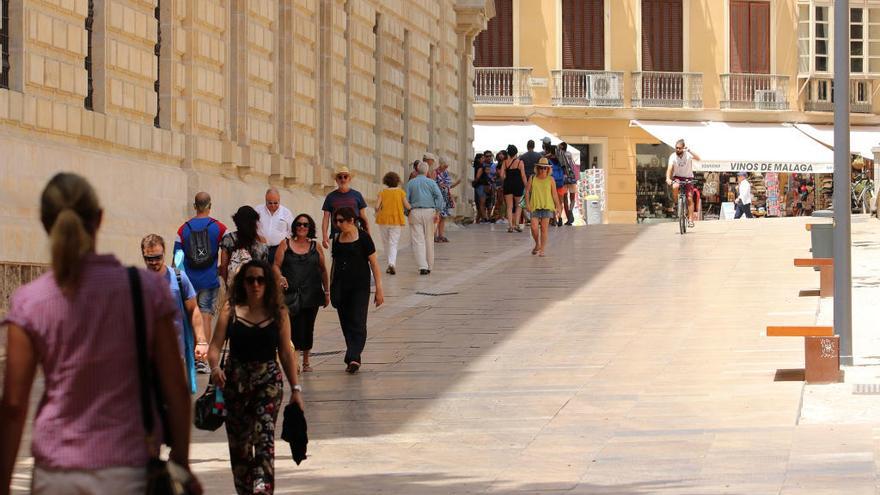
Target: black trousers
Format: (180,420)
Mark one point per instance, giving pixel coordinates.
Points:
(302,331)
(352,311)
(742,209)
(272,250)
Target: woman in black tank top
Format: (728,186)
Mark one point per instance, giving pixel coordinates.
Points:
(258,329)
(514,175)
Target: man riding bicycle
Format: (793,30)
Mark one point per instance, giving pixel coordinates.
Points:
(681,170)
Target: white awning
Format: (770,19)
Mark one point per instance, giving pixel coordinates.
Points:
(496,136)
(740,147)
(861,138)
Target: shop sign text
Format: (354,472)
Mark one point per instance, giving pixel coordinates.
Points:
(763,167)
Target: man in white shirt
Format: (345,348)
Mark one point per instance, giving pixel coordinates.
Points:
(681,169)
(275,221)
(743,197)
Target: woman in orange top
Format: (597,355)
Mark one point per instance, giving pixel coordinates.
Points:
(390,216)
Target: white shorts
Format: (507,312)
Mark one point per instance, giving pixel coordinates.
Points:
(89,481)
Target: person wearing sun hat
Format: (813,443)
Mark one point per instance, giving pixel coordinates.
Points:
(543,204)
(343,196)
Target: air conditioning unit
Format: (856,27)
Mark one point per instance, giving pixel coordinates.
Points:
(769,99)
(604,89)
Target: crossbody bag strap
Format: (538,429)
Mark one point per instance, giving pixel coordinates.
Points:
(142,361)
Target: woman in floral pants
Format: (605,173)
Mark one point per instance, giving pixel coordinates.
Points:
(258,328)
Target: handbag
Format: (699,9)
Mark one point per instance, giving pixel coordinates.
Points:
(293,299)
(209,412)
(159,479)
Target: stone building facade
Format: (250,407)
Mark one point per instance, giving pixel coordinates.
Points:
(154,100)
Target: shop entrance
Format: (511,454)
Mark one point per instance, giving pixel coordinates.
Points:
(653,197)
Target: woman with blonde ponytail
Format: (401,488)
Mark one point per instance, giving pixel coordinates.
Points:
(77,323)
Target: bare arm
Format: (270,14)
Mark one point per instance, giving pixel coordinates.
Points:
(224,265)
(694,155)
(364,218)
(669,174)
(195,318)
(556,202)
(288,359)
(175,389)
(528,194)
(377,276)
(325,223)
(522,171)
(379,204)
(279,259)
(21,366)
(325,274)
(406,204)
(218,377)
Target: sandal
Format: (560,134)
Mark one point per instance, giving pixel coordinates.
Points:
(518,228)
(509,230)
(534,251)
(306,368)
(541,254)
(444,239)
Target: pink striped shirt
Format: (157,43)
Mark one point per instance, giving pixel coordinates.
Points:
(89,415)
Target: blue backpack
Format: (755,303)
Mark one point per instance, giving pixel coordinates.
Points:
(558,173)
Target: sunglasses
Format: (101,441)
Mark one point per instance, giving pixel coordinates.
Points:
(301,224)
(270,203)
(259,280)
(153,259)
(342,177)
(342,220)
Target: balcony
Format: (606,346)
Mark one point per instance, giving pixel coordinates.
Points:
(667,89)
(587,88)
(820,95)
(502,85)
(754,91)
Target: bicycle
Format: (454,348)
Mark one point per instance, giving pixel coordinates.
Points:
(682,207)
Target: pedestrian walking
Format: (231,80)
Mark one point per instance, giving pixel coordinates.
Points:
(343,196)
(743,201)
(431,160)
(199,241)
(513,176)
(188,319)
(275,221)
(483,185)
(444,182)
(300,268)
(257,326)
(558,173)
(354,258)
(77,323)
(543,203)
(391,211)
(243,245)
(570,180)
(497,203)
(426,200)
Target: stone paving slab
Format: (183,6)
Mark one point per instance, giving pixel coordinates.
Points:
(630,360)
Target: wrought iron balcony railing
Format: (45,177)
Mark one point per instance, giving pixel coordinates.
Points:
(502,85)
(667,89)
(754,91)
(587,88)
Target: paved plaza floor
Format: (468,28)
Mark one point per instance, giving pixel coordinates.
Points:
(629,360)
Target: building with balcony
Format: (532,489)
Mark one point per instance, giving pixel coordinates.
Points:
(617,79)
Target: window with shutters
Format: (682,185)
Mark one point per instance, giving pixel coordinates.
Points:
(815,28)
(494,46)
(749,37)
(662,35)
(583,34)
(157,49)
(89,102)
(864,45)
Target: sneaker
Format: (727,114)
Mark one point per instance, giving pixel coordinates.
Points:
(353,367)
(202,368)
(690,224)
(390,270)
(424,271)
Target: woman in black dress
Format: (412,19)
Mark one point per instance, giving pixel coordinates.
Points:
(513,173)
(354,256)
(302,273)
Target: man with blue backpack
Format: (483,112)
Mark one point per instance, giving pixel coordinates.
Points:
(198,239)
(558,171)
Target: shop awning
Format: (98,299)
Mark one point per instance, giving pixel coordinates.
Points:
(496,136)
(861,138)
(736,147)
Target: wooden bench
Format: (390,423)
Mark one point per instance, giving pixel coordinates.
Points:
(821,351)
(826,273)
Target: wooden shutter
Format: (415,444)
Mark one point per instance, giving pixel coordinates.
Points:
(739,37)
(662,47)
(494,46)
(583,34)
(759,37)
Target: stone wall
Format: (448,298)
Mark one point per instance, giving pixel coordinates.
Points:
(225,96)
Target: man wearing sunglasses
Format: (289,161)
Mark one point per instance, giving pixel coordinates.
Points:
(190,334)
(275,221)
(343,196)
(681,169)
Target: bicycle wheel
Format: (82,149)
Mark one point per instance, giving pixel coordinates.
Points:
(682,213)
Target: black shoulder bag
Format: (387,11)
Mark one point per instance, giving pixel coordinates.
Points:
(159,480)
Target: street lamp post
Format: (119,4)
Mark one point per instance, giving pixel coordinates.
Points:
(841,201)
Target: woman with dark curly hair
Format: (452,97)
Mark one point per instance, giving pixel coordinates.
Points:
(302,273)
(391,211)
(243,245)
(258,328)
